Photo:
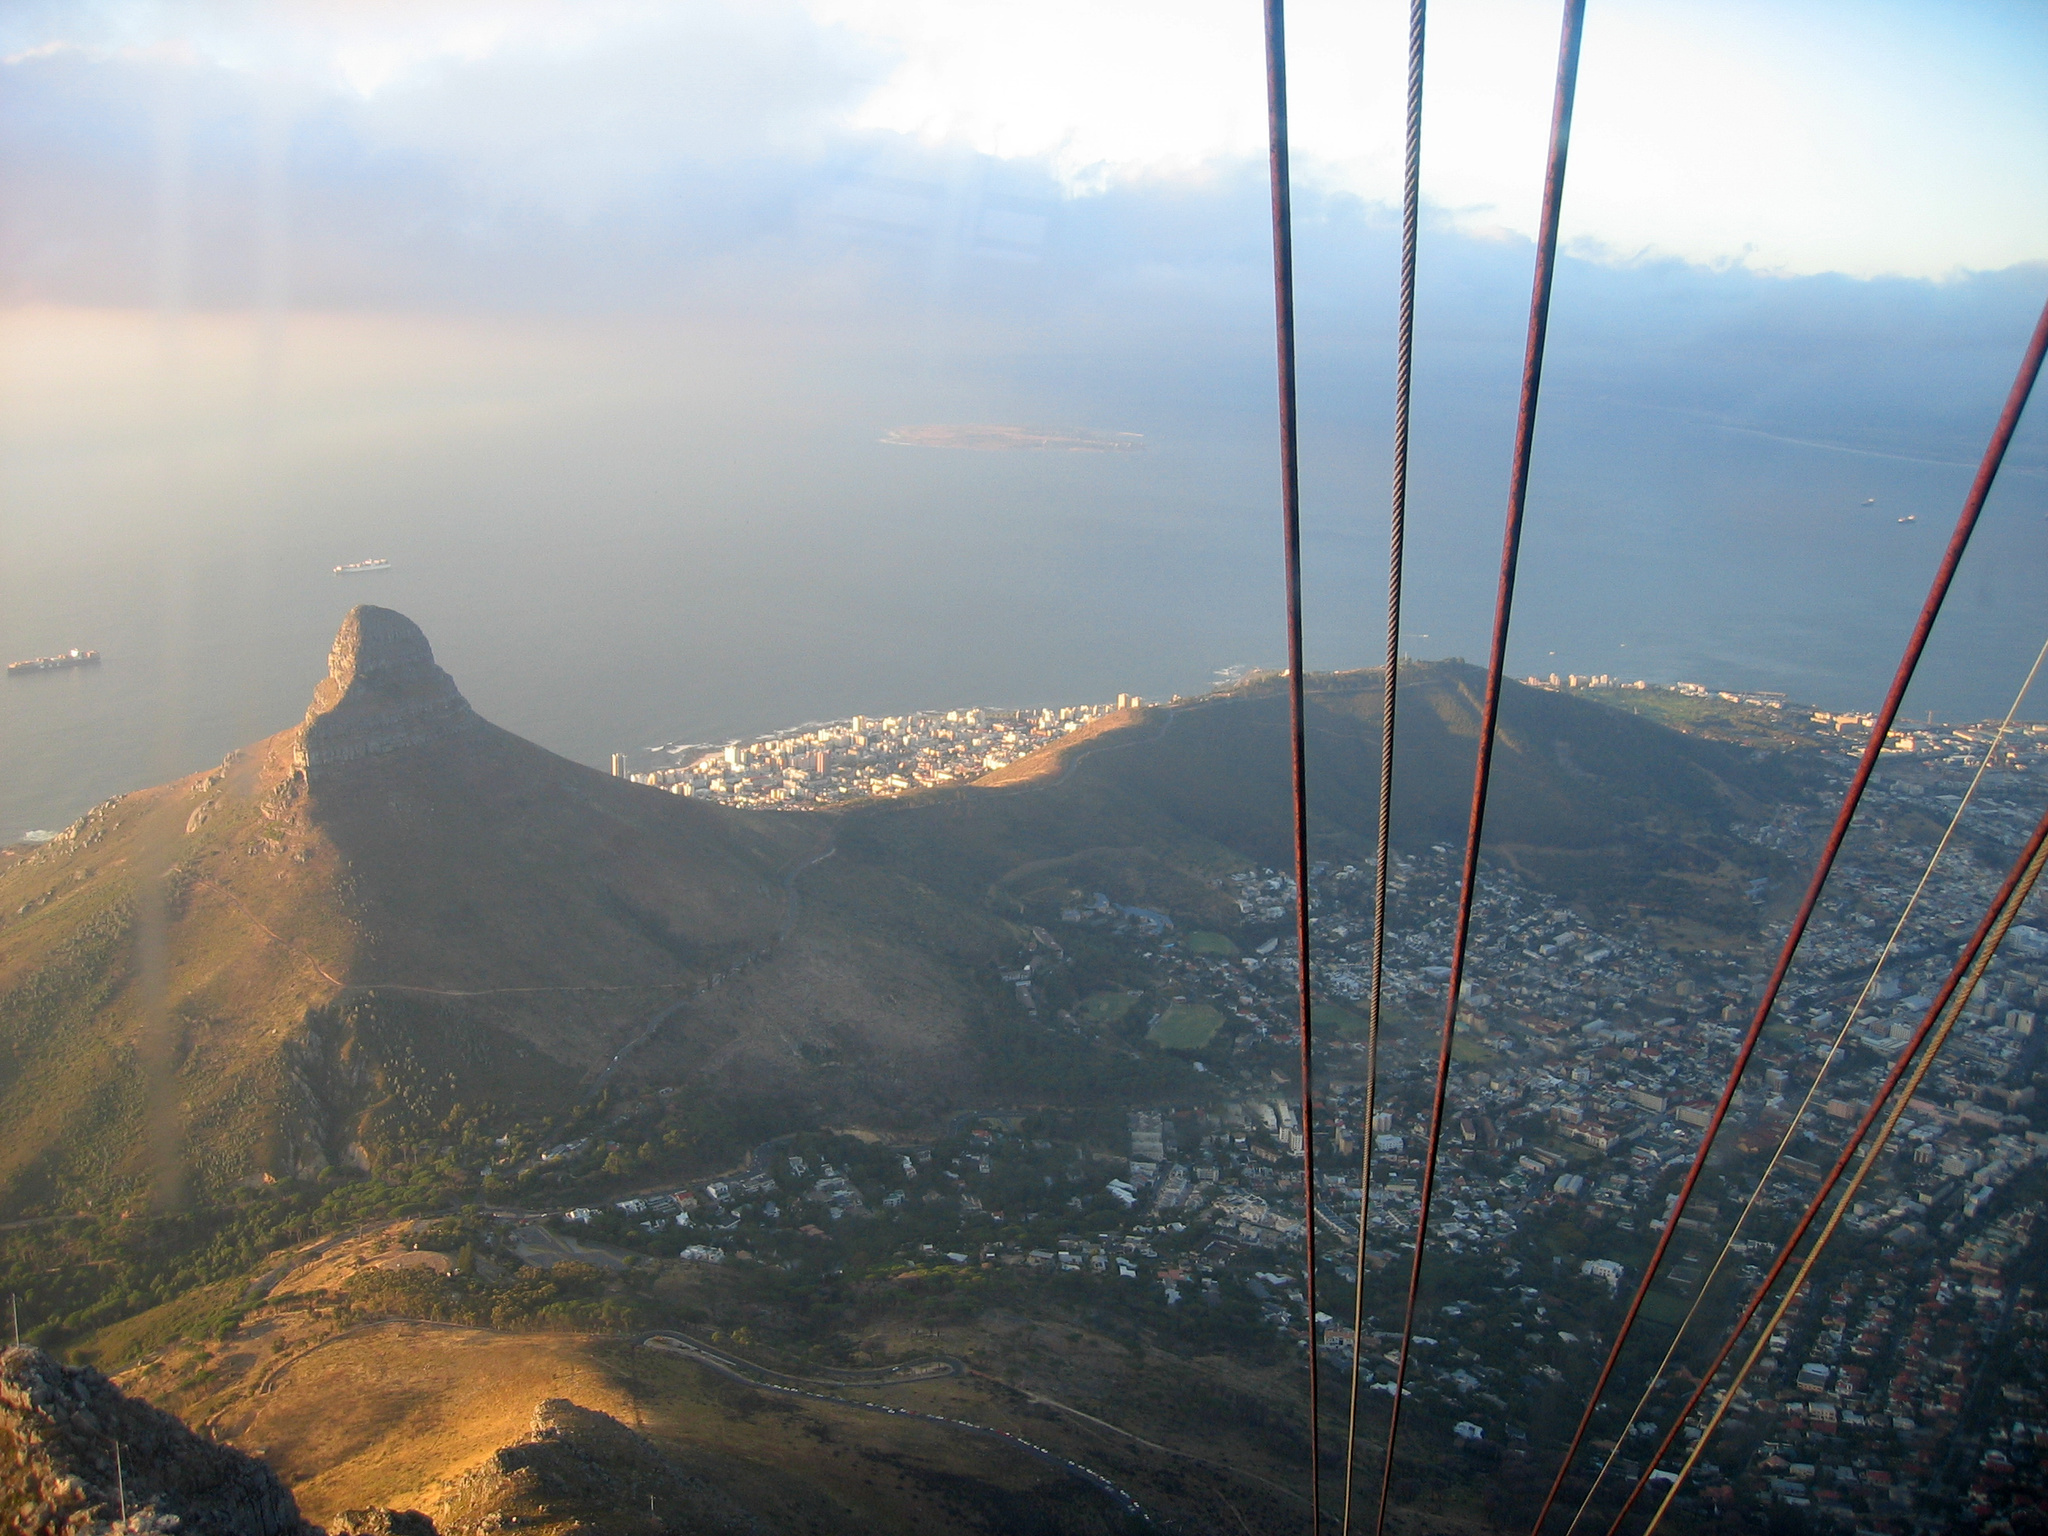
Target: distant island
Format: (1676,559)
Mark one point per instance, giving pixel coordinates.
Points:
(56,663)
(993,439)
(902,1118)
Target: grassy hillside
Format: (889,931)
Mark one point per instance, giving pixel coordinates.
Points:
(238,974)
(246,974)
(144,990)
(1590,802)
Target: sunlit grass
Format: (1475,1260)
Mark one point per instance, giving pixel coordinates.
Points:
(1185,1026)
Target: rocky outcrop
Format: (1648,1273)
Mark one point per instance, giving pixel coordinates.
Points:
(382,1522)
(382,694)
(580,1472)
(60,1429)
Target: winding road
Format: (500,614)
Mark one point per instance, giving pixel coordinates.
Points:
(934,1369)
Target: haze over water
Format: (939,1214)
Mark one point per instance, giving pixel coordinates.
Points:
(616,537)
(592,323)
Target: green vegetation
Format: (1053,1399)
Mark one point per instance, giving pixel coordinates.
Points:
(114,1288)
(117,1287)
(565,1296)
(1607,809)
(1590,802)
(1331,1015)
(1036,1064)
(1467,1051)
(1185,1026)
(1749,725)
(1105,1009)
(1665,1305)
(167,1276)
(206,1313)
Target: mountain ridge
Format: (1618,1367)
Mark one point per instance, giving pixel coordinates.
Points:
(389,907)
(395,911)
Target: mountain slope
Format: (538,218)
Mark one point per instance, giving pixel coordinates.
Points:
(319,949)
(356,923)
(1598,805)
(59,1430)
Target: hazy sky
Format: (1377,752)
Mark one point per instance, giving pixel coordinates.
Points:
(591,314)
(1855,136)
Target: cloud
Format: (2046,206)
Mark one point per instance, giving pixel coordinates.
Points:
(585,127)
(1835,136)
(1859,136)
(714,162)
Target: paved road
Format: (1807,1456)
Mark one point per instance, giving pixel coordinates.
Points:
(1150,1445)
(730,1366)
(936,1368)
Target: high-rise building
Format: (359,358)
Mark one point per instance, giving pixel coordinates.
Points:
(618,765)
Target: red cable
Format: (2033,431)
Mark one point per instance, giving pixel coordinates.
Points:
(1966,523)
(1290,517)
(1848,1155)
(1511,544)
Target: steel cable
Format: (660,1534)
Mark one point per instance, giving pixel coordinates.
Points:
(1907,1054)
(1959,540)
(1511,544)
(1948,1007)
(1290,520)
(1806,1103)
(1397,536)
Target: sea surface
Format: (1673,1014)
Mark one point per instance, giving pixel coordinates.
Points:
(617,536)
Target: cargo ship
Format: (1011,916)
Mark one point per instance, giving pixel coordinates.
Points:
(358,567)
(55,663)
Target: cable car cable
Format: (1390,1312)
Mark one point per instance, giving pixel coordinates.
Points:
(1948,1007)
(1916,645)
(1778,1155)
(1290,520)
(1397,535)
(1511,543)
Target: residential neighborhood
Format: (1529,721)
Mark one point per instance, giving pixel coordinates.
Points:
(865,756)
(1587,1059)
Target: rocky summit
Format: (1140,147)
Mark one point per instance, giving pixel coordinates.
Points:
(395,910)
(79,1457)
(577,1473)
(382,694)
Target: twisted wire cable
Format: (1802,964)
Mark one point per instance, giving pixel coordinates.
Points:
(1756,1195)
(1503,608)
(1852,797)
(1397,535)
(1948,1007)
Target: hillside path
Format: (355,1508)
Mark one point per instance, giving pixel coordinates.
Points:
(677,1344)
(792,901)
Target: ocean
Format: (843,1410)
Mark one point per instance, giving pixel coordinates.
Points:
(620,534)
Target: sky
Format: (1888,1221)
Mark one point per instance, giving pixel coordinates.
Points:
(1864,137)
(591,316)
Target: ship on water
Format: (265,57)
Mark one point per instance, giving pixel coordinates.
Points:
(358,567)
(56,663)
